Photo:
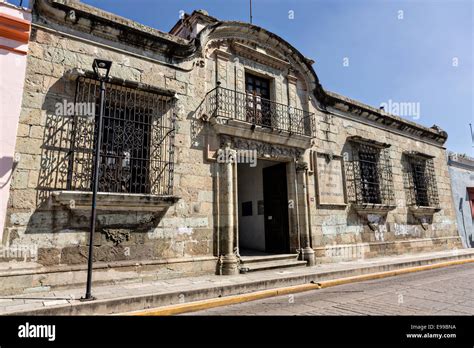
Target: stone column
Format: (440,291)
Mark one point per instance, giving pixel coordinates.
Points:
(306,252)
(229,260)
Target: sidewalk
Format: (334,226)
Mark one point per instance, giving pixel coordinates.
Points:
(121,298)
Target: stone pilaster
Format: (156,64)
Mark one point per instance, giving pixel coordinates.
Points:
(292,92)
(222,59)
(239,76)
(306,252)
(229,260)
(292,101)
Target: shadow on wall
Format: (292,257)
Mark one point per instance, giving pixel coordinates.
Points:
(57,141)
(6,165)
(60,132)
(120,236)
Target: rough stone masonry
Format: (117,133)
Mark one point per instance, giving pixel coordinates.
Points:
(186,218)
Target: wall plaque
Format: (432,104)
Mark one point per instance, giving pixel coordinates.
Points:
(330,180)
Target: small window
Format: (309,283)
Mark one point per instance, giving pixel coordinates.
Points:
(247,208)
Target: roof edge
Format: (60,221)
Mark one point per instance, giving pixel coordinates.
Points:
(358,108)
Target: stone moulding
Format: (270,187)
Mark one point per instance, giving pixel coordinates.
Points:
(90,19)
(378,209)
(113,201)
(423,214)
(264,58)
(373,214)
(372,142)
(423,211)
(418,154)
(335,102)
(244,130)
(74,74)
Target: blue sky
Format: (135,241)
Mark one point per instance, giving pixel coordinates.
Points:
(402,57)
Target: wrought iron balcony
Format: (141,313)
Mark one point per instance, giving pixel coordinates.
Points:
(257,111)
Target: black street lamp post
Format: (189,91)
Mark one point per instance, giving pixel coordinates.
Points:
(101,70)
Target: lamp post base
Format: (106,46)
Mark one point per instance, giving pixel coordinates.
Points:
(85,299)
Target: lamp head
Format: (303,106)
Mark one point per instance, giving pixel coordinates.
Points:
(101,68)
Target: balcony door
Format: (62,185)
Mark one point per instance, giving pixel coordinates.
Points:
(258,100)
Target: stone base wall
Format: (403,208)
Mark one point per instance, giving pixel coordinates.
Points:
(360,251)
(32,278)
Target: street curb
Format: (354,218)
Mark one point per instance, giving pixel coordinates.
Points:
(258,295)
(128,304)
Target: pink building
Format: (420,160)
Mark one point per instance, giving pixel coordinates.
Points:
(15,24)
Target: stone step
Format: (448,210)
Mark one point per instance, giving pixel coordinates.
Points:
(272,264)
(262,258)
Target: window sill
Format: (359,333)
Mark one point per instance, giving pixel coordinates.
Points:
(420,210)
(370,208)
(113,201)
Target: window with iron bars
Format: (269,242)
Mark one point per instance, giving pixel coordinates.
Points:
(137,151)
(369,174)
(420,181)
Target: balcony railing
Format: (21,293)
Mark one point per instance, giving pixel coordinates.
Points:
(257,111)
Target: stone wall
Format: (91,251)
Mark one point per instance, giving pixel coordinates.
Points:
(202,223)
(43,140)
(341,233)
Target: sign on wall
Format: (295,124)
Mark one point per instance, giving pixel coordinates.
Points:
(330,187)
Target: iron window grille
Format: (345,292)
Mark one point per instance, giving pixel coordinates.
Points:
(137,152)
(420,181)
(369,174)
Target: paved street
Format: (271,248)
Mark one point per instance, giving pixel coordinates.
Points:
(445,291)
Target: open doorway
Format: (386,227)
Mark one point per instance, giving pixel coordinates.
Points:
(263,208)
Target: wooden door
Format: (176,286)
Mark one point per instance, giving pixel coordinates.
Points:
(258,100)
(275,198)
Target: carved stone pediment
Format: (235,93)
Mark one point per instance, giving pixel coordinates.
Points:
(259,56)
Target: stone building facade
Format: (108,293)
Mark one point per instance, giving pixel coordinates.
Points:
(333,180)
